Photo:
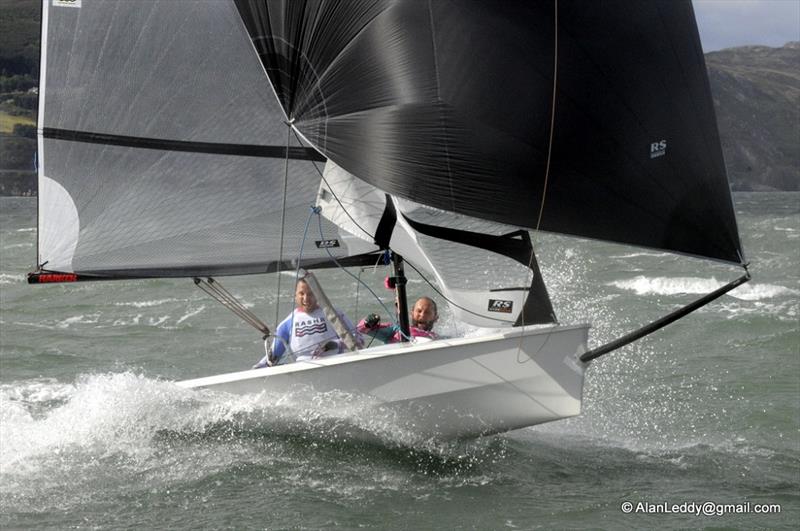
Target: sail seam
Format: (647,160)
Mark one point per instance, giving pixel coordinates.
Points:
(211,148)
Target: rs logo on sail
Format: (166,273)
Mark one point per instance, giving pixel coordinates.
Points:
(658,149)
(496,305)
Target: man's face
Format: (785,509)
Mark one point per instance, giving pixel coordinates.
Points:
(304,298)
(423,315)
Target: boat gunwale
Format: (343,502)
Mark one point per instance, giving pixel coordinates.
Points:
(381,351)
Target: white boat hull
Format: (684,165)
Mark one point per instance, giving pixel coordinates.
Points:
(448,388)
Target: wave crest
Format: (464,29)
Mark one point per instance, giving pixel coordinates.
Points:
(642,285)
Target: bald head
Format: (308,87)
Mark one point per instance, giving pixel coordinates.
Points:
(424,314)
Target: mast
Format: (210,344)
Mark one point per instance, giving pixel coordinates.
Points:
(400,281)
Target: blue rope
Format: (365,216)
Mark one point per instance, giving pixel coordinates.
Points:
(314,210)
(322,236)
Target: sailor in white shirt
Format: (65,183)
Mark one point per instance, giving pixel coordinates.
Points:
(307,331)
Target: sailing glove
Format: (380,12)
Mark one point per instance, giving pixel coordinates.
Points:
(372,320)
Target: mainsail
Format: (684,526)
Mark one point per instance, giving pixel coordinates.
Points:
(162,151)
(592,119)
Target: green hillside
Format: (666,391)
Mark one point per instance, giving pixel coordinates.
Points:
(757,96)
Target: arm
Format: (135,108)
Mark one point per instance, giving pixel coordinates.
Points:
(284,331)
(372,327)
(278,346)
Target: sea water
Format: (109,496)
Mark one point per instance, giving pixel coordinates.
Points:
(701,417)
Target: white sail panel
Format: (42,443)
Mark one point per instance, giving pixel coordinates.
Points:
(160,130)
(173,69)
(484,288)
(58,230)
(350,203)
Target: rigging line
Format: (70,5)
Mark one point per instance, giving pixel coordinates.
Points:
(217,292)
(330,189)
(552,116)
(322,236)
(534,240)
(314,210)
(358,287)
(443,296)
(283,218)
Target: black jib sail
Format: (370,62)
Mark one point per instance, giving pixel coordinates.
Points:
(593,119)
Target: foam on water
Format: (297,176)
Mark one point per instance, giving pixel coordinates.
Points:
(93,318)
(785,311)
(148,304)
(643,285)
(63,445)
(640,254)
(127,414)
(191,314)
(7,278)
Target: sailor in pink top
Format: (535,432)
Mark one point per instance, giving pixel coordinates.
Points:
(423,316)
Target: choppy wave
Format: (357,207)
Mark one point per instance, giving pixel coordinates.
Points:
(8,278)
(128,414)
(190,315)
(100,320)
(93,318)
(147,304)
(62,443)
(642,285)
(641,254)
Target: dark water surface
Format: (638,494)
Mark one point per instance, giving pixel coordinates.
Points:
(94,434)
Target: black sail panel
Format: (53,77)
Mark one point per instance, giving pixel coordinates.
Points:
(636,146)
(452,104)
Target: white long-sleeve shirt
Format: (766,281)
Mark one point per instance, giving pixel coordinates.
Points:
(304,332)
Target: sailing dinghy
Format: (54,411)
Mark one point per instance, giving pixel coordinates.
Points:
(185,139)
